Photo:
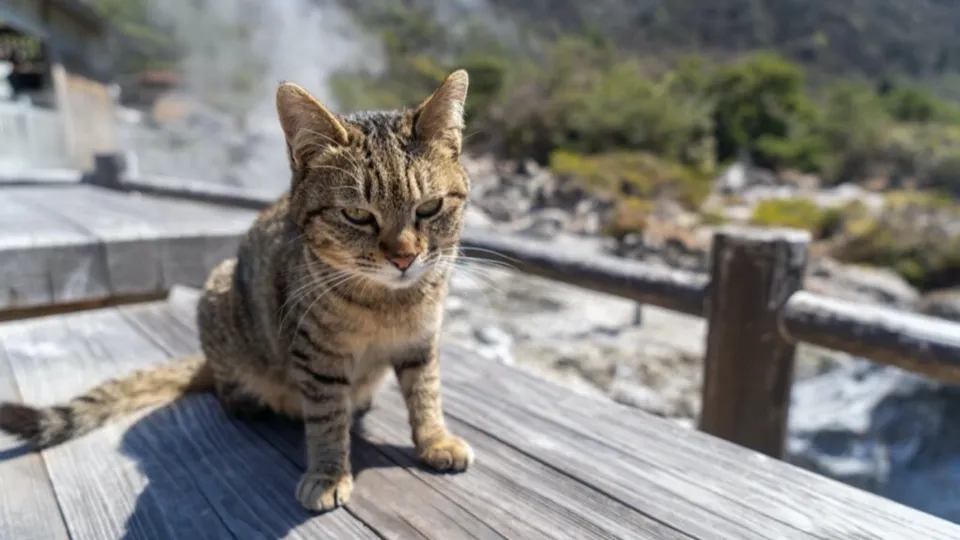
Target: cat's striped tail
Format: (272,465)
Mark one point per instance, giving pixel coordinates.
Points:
(43,427)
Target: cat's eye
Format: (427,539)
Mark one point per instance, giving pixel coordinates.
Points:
(359,216)
(429,208)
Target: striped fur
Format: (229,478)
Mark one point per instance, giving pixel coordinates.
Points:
(48,426)
(335,285)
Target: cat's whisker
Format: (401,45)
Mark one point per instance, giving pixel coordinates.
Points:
(490,251)
(347,278)
(316,277)
(488,263)
(477,270)
(484,293)
(306,290)
(472,270)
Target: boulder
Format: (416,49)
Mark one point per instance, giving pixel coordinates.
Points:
(860,283)
(883,430)
(944,303)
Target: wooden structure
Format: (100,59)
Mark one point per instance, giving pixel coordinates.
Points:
(72,33)
(69,243)
(753,300)
(76,62)
(550,463)
(756,313)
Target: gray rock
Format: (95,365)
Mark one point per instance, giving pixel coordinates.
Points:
(860,283)
(740,177)
(491,335)
(639,396)
(883,430)
(943,303)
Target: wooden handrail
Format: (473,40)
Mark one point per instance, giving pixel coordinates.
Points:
(918,343)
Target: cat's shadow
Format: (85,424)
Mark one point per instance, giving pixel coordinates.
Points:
(213,476)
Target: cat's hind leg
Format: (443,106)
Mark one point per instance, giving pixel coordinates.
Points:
(241,404)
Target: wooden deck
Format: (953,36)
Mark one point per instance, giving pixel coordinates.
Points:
(66,243)
(550,463)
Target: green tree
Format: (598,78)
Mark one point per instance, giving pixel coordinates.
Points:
(911,104)
(855,127)
(761,107)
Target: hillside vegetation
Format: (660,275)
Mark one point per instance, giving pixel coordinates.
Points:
(649,98)
(583,81)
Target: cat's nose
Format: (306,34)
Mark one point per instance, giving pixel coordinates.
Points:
(402,261)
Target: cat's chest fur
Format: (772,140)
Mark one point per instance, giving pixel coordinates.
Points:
(379,338)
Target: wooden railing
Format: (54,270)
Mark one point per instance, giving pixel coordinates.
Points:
(756,313)
(753,301)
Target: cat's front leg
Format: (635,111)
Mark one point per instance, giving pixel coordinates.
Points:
(418,372)
(321,377)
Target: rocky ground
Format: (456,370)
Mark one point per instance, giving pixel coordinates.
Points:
(873,426)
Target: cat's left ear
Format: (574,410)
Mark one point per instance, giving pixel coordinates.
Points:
(307,125)
(439,119)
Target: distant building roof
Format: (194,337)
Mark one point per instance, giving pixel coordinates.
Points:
(75,31)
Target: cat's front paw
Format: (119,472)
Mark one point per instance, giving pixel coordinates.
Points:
(448,453)
(322,493)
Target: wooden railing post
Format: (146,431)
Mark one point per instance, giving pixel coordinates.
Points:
(748,369)
(108,170)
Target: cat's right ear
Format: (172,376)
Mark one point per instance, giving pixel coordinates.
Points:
(307,125)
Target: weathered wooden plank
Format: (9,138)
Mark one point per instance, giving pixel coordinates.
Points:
(148,243)
(45,259)
(196,236)
(28,507)
(225,456)
(111,170)
(512,488)
(748,366)
(641,495)
(236,196)
(662,492)
(129,247)
(749,486)
(40,177)
(664,287)
(171,459)
(109,484)
(166,216)
(922,344)
(387,498)
(519,496)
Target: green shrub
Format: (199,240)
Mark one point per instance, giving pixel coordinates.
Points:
(712,218)
(911,104)
(629,216)
(581,95)
(761,107)
(796,213)
(907,238)
(855,128)
(633,174)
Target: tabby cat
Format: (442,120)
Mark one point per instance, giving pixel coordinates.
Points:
(340,281)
